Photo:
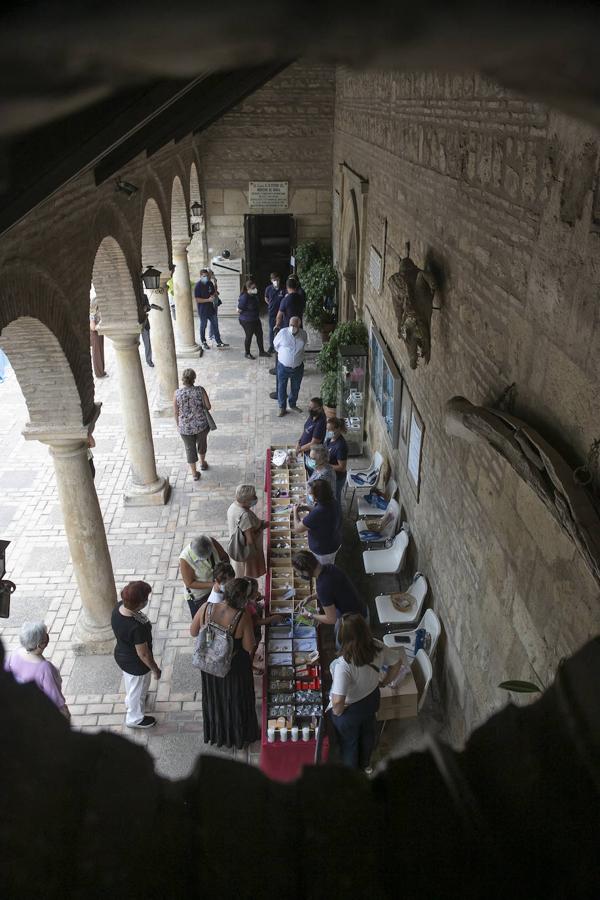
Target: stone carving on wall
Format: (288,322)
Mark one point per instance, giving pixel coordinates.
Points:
(412,295)
(539,465)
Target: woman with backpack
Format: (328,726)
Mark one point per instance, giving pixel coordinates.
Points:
(228,702)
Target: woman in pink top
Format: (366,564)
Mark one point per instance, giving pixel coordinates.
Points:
(28,664)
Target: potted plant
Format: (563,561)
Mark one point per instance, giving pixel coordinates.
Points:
(345,334)
(306,255)
(320,285)
(329,393)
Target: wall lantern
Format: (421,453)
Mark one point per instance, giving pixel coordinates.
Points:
(196,215)
(151,279)
(126,187)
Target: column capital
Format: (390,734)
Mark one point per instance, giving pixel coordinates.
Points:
(64,439)
(123,340)
(180,247)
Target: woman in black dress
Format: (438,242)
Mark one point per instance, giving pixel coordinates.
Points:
(228,704)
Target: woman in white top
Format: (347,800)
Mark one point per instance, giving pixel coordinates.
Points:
(355,690)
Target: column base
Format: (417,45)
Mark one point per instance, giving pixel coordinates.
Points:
(156,494)
(90,639)
(188,350)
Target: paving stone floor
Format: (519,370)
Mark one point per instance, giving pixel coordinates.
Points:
(145,543)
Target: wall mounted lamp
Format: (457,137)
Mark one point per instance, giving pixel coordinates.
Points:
(151,278)
(126,187)
(195,215)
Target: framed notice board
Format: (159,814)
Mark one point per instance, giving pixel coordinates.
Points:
(415,450)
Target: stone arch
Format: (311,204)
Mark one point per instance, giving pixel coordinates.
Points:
(43,373)
(197,248)
(180,231)
(117,293)
(155,249)
(50,357)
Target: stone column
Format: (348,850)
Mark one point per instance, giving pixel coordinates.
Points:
(184,304)
(163,347)
(146,487)
(85,532)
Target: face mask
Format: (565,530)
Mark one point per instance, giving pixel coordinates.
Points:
(311,464)
(294,330)
(253,290)
(310,500)
(275,283)
(329,435)
(313,413)
(253,502)
(204,279)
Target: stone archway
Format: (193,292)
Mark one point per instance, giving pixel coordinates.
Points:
(58,419)
(198,248)
(182,292)
(155,252)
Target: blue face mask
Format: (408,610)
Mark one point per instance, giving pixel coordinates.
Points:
(329,435)
(204,279)
(253,502)
(310,500)
(311,463)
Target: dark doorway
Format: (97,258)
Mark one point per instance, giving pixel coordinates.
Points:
(269,242)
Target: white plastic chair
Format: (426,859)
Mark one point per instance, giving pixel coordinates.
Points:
(369,477)
(406,639)
(388,561)
(367,509)
(422,671)
(389,525)
(389,615)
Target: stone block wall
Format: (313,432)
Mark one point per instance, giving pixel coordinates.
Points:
(501,194)
(282,132)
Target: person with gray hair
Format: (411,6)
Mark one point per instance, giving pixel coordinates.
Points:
(28,664)
(318,461)
(240,515)
(191,408)
(290,344)
(196,565)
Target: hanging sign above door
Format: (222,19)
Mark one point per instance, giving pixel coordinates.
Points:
(268,194)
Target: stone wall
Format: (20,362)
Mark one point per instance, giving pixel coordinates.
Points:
(497,191)
(282,132)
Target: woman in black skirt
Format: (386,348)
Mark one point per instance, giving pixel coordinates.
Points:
(228,704)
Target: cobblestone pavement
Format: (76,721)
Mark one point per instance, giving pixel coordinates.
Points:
(145,542)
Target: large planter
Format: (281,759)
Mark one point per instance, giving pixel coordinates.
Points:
(326,330)
(330,411)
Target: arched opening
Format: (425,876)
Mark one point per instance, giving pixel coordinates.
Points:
(350,300)
(179,215)
(197,251)
(115,287)
(155,250)
(180,288)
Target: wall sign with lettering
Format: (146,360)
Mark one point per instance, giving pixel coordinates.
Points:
(268,195)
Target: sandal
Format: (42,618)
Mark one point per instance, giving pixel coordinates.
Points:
(197,476)
(204,466)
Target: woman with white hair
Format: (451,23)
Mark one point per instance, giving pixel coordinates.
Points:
(190,408)
(318,462)
(197,562)
(29,664)
(240,515)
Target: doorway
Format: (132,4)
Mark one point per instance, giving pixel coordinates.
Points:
(269,242)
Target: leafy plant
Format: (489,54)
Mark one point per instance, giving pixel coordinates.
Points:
(319,282)
(346,333)
(307,254)
(329,389)
(520,687)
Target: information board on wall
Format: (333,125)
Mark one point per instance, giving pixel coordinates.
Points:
(375,268)
(415,446)
(268,195)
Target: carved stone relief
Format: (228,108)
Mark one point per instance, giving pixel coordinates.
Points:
(412,295)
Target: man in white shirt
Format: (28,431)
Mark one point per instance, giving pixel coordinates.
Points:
(290,344)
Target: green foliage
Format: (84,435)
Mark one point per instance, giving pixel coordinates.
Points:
(307,255)
(319,281)
(329,389)
(520,687)
(345,334)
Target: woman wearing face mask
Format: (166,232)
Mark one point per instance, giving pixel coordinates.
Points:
(323,522)
(274,294)
(337,448)
(249,318)
(318,463)
(240,513)
(133,651)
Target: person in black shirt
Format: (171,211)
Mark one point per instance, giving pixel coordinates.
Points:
(336,593)
(204,292)
(249,318)
(274,294)
(292,304)
(133,651)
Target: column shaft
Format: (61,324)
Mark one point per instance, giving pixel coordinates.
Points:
(184,305)
(86,536)
(163,346)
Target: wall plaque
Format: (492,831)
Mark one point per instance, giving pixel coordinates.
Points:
(268,194)
(375,268)
(415,449)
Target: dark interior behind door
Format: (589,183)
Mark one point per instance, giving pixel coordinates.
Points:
(269,242)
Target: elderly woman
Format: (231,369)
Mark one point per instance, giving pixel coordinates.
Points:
(190,406)
(240,514)
(197,562)
(29,664)
(323,522)
(228,704)
(133,651)
(357,677)
(318,463)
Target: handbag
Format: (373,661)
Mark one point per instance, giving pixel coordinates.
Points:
(211,422)
(238,548)
(215,646)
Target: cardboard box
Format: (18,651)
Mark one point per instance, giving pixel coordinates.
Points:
(399,702)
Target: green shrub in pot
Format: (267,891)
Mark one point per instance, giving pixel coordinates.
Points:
(329,390)
(345,334)
(319,283)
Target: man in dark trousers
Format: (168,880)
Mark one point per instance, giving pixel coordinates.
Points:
(274,294)
(204,293)
(146,331)
(292,304)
